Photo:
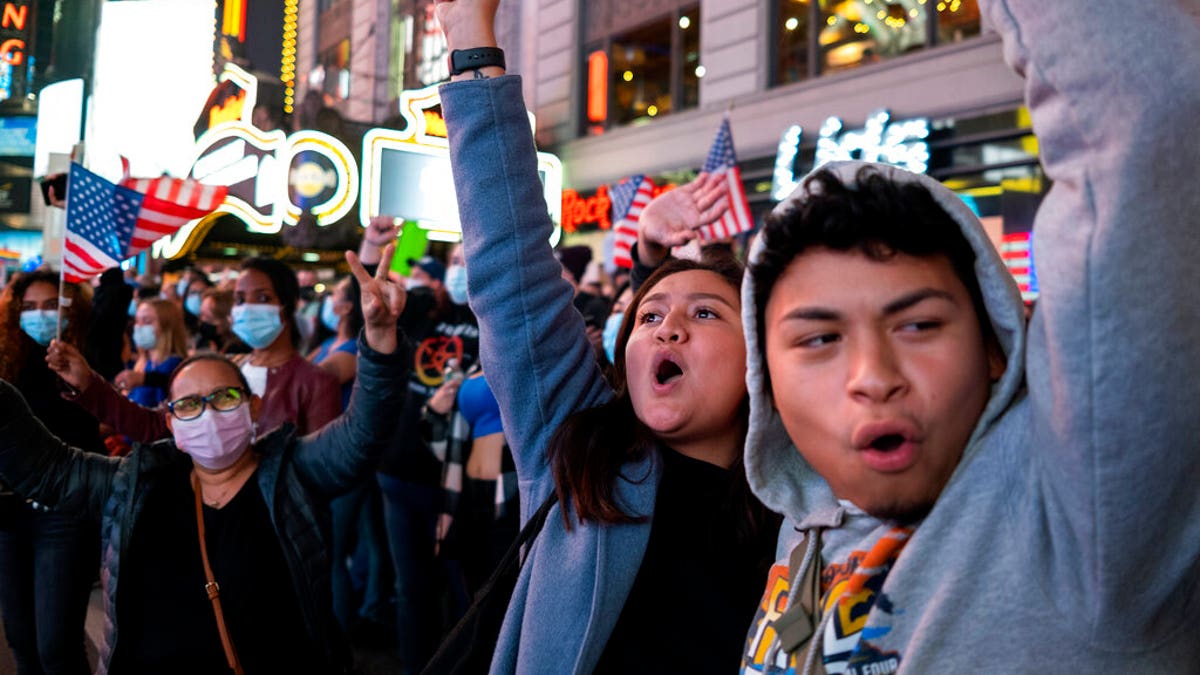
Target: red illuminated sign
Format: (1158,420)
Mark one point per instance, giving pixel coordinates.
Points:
(13,18)
(581,213)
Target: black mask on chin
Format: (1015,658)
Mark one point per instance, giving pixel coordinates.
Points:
(209,333)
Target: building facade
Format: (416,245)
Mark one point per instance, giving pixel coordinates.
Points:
(624,87)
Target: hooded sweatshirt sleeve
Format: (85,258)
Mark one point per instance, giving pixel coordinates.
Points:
(532,341)
(1113,88)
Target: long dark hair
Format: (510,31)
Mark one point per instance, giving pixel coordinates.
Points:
(587,451)
(13,344)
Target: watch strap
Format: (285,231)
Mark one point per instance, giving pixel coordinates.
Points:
(462,60)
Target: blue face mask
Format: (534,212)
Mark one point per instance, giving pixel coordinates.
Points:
(612,326)
(257,325)
(329,318)
(133,307)
(145,336)
(181,287)
(456,284)
(41,324)
(192,304)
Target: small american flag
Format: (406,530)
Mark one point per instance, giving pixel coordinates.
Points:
(1016,248)
(100,223)
(109,223)
(628,197)
(170,203)
(722,161)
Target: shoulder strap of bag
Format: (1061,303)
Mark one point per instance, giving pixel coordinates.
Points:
(797,625)
(211,587)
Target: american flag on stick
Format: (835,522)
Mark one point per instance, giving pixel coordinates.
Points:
(628,197)
(108,223)
(722,161)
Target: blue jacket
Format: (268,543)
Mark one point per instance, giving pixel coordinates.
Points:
(297,476)
(541,368)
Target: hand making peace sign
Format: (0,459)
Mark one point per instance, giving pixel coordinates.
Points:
(382,301)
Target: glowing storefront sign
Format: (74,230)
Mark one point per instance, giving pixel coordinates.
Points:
(900,143)
(272,178)
(414,164)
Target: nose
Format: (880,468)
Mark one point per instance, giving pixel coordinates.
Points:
(876,375)
(671,329)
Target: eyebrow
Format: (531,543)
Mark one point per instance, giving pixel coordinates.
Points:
(689,297)
(894,307)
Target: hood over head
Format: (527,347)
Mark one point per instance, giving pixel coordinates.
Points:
(777,473)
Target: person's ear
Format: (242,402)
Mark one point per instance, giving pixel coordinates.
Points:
(170,421)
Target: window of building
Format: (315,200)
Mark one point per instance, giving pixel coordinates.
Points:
(829,36)
(333,72)
(643,73)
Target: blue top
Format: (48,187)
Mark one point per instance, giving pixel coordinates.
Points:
(478,405)
(152,396)
(323,352)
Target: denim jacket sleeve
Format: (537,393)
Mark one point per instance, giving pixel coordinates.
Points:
(532,340)
(1113,89)
(333,459)
(37,465)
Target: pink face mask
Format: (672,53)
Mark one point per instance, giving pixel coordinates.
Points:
(216,439)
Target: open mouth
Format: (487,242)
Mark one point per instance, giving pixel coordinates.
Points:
(667,372)
(887,443)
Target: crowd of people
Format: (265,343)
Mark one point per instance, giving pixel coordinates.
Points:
(846,449)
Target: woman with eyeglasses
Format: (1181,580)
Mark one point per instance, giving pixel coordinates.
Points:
(215,541)
(293,391)
(47,559)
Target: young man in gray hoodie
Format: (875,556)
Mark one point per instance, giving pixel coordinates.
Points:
(963,495)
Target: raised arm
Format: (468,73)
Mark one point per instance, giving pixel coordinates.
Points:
(37,465)
(1113,88)
(103,401)
(533,345)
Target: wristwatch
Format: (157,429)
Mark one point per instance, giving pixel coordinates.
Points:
(462,60)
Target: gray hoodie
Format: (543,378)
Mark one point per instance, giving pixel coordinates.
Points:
(1069,535)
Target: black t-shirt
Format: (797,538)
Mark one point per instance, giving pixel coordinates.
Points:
(699,584)
(164,617)
(437,337)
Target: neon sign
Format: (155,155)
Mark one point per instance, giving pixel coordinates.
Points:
(901,143)
(13,19)
(272,177)
(415,166)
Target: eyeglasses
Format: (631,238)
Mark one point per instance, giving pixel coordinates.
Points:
(221,400)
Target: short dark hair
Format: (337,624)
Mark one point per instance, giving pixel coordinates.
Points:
(287,288)
(207,356)
(876,216)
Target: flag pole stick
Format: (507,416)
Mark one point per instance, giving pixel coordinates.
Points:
(63,301)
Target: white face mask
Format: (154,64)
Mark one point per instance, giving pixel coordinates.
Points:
(410,284)
(456,284)
(215,439)
(145,336)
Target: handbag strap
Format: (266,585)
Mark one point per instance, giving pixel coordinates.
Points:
(212,588)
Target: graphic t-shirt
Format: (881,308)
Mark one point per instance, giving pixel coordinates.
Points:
(438,339)
(850,589)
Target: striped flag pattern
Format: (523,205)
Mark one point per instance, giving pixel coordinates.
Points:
(109,223)
(169,204)
(628,198)
(1016,249)
(722,161)
(100,223)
